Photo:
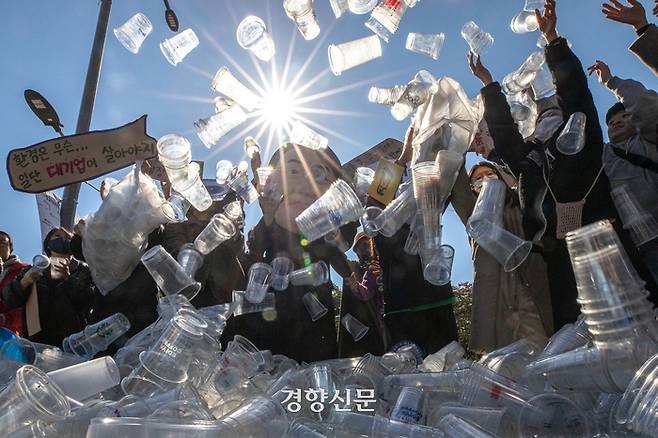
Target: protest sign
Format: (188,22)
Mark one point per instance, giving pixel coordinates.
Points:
(389,149)
(48,206)
(76,158)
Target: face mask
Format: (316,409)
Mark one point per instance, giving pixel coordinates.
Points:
(61,245)
(477,184)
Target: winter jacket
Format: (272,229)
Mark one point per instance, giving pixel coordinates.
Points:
(63,304)
(507,306)
(12,318)
(570,177)
(646,47)
(643,106)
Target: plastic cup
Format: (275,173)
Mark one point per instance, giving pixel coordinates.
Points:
(225,83)
(241,306)
(385,18)
(133,32)
(157,373)
(542,85)
(176,48)
(641,224)
(97,337)
(412,244)
(302,13)
(338,206)
(180,206)
(40,262)
(193,188)
(241,185)
(372,221)
(223,170)
(505,247)
(525,74)
(211,129)
(51,358)
(407,406)
(244,355)
(456,427)
(179,339)
(385,96)
(554,415)
(354,327)
(336,239)
(233,211)
(314,306)
(123,427)
(634,395)
(19,350)
(490,203)
(219,230)
(426,182)
(264,174)
(363,177)
(339,7)
(168,274)
(485,388)
(87,379)
(303,135)
(478,40)
(258,416)
(524,22)
(572,138)
(487,419)
(398,212)
(361,7)
(258,283)
(281,267)
(343,57)
(439,269)
(418,91)
(449,164)
(314,274)
(252,35)
(190,259)
(568,338)
(445,358)
(429,44)
(30,397)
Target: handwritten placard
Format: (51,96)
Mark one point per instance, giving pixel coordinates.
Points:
(76,158)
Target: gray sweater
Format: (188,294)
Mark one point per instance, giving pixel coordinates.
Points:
(643,105)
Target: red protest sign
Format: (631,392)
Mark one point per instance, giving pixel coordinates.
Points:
(76,158)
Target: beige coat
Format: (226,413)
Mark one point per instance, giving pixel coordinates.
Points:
(507,306)
(646,48)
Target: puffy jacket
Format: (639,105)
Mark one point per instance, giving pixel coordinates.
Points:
(12,318)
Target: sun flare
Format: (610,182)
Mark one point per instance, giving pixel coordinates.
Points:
(278,108)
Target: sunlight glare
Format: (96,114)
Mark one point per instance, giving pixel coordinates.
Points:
(278,107)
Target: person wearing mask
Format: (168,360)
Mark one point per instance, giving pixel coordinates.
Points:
(64,292)
(301,175)
(507,306)
(10,266)
(558,193)
(631,156)
(363,298)
(645,46)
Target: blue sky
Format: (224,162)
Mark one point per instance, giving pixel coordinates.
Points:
(47,44)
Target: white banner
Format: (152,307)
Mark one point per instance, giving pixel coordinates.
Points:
(48,205)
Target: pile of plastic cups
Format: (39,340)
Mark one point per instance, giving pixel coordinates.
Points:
(595,377)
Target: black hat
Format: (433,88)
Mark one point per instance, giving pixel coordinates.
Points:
(614,109)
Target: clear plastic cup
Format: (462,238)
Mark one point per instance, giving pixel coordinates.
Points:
(490,203)
(211,129)
(553,415)
(354,327)
(223,170)
(302,13)
(219,230)
(180,206)
(407,408)
(168,274)
(258,416)
(572,138)
(157,373)
(456,427)
(156,428)
(244,355)
(634,395)
(568,338)
(234,211)
(446,382)
(281,267)
(338,206)
(30,397)
(225,83)
(363,177)
(303,135)
(525,74)
(524,22)
(176,48)
(181,336)
(40,262)
(193,188)
(641,224)
(372,221)
(252,35)
(383,426)
(418,91)
(241,306)
(314,274)
(412,244)
(123,427)
(97,337)
(259,278)
(449,164)
(509,250)
(478,40)
(314,306)
(50,358)
(385,18)
(485,388)
(338,7)
(429,44)
(385,96)
(439,269)
(133,32)
(190,259)
(241,185)
(426,182)
(19,350)
(87,379)
(345,56)
(445,358)
(398,212)
(361,7)
(264,173)
(488,419)
(542,85)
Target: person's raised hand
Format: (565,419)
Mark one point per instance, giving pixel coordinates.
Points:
(479,70)
(548,21)
(635,15)
(602,70)
(62,268)
(30,277)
